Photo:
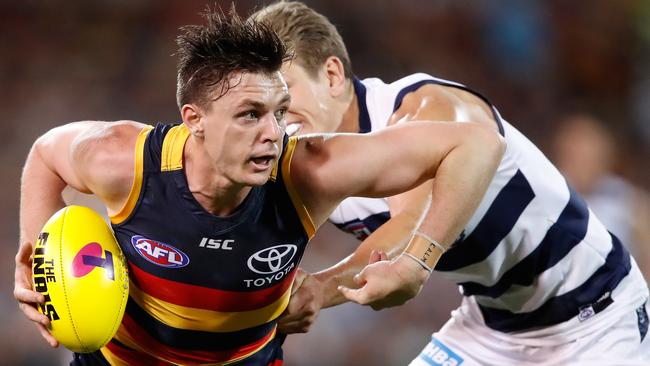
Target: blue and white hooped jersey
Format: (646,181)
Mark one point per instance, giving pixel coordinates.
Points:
(533,254)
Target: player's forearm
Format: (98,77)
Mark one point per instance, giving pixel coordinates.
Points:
(461,181)
(390,238)
(40,195)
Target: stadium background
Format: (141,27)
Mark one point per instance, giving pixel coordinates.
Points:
(537,60)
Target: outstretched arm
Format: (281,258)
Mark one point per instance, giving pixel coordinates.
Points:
(462,157)
(92,157)
(429,103)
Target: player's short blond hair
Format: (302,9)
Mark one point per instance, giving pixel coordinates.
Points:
(311,36)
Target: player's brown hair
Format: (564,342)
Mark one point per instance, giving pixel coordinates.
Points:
(209,54)
(311,36)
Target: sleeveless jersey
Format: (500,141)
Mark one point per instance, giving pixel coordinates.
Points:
(532,254)
(204,289)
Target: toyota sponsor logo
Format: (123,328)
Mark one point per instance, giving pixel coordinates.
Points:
(272,259)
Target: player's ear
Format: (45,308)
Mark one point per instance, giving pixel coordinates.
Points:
(192,117)
(335,76)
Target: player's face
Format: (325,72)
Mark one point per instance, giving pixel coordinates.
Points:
(312,106)
(243,130)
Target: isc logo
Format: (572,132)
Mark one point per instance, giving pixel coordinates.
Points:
(224,244)
(158,253)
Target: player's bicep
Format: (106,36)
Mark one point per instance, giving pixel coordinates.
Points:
(379,164)
(393,161)
(92,156)
(434,102)
(54,149)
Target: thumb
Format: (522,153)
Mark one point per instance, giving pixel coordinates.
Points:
(360,278)
(357,296)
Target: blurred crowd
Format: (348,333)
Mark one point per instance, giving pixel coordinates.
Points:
(573,76)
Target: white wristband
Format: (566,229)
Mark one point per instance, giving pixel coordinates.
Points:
(433,242)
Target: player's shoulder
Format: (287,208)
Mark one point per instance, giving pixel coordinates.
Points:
(104,154)
(100,136)
(104,146)
(376,84)
(113,131)
(408,89)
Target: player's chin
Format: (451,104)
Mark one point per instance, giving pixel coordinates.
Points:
(256,177)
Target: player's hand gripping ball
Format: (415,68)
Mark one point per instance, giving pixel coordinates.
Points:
(81,271)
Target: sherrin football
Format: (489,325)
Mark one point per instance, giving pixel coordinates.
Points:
(80,269)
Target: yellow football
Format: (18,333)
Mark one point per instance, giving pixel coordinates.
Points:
(80,269)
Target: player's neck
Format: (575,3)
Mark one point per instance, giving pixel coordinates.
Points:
(212,189)
(350,119)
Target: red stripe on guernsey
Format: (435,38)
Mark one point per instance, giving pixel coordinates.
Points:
(276,363)
(200,297)
(176,355)
(132,357)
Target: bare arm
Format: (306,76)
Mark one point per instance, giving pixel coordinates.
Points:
(462,157)
(92,157)
(428,103)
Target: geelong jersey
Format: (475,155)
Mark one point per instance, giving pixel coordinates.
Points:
(204,289)
(532,254)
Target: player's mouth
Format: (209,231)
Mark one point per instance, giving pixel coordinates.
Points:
(263,162)
(293,128)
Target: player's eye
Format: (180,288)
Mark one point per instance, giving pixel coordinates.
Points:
(280,113)
(251,115)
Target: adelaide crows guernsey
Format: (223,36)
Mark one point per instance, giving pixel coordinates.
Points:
(204,289)
(532,254)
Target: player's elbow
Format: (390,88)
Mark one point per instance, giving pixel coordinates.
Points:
(487,141)
(42,148)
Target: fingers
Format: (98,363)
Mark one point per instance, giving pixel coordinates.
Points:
(27,295)
(375,256)
(48,337)
(383,256)
(28,299)
(299,309)
(301,325)
(356,295)
(24,254)
(33,314)
(359,279)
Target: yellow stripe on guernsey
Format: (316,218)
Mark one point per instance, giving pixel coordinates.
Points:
(123,337)
(182,317)
(171,157)
(136,186)
(112,359)
(305,218)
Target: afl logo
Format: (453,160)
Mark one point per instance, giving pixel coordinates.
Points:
(158,253)
(273,259)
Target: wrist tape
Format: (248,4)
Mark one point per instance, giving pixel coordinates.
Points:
(424,250)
